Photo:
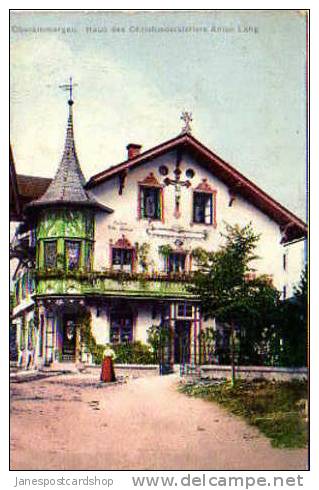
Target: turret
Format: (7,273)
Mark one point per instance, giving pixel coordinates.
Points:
(64,215)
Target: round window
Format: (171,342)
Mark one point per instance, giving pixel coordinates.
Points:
(190,173)
(163,170)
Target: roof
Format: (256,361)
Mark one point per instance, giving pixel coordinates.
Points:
(67,187)
(292,227)
(31,188)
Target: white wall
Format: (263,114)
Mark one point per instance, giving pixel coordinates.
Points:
(142,321)
(125,221)
(295,263)
(100,325)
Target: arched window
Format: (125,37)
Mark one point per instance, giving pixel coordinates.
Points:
(123,255)
(204,204)
(150,199)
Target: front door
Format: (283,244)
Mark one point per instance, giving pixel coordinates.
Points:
(182,342)
(165,349)
(69,339)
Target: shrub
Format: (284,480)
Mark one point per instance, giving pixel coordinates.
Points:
(133,353)
(97,353)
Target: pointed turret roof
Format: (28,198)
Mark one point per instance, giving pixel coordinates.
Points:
(67,187)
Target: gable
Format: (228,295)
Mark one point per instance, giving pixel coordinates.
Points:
(238,185)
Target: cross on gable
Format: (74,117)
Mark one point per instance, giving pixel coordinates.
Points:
(187,118)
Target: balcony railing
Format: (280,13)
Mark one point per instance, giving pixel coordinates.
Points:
(118,275)
(113,283)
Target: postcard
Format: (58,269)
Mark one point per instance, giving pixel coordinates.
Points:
(158,218)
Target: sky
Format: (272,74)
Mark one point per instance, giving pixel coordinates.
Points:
(242,74)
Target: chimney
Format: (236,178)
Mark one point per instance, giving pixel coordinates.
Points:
(133,150)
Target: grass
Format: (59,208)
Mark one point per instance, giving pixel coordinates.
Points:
(276,408)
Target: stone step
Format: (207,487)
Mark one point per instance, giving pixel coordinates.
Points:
(62,367)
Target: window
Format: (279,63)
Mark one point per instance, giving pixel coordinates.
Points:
(203,208)
(190,173)
(89,226)
(151,202)
(50,254)
(73,249)
(163,170)
(88,256)
(121,328)
(122,259)
(184,310)
(176,262)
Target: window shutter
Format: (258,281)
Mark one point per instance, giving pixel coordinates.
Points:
(158,203)
(208,209)
(142,210)
(161,198)
(196,208)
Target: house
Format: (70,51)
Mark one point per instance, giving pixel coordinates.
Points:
(111,257)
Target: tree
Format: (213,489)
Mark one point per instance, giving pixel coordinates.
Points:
(291,326)
(232,293)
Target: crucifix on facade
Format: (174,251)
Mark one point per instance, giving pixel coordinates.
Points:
(177,183)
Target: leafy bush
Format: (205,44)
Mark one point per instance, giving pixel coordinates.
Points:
(97,352)
(158,336)
(133,353)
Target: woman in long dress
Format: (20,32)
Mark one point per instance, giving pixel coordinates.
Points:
(107,371)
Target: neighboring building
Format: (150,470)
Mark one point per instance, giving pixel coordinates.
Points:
(117,251)
(15,205)
(23,189)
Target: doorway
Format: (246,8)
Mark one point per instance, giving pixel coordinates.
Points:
(69,339)
(182,342)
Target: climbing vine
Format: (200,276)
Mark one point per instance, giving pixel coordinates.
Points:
(142,251)
(165,250)
(88,340)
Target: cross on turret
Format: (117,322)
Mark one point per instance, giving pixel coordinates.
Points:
(69,87)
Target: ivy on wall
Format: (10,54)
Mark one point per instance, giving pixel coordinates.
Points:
(142,252)
(165,250)
(87,338)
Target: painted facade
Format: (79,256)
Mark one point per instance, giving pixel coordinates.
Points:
(117,251)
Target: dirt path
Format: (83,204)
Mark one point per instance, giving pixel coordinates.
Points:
(71,422)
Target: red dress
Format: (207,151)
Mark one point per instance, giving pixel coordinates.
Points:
(107,371)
